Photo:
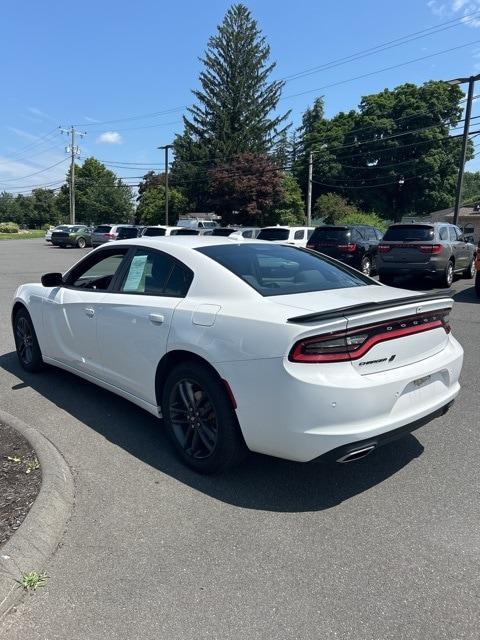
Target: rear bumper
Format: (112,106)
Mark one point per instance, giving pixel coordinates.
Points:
(434,267)
(339,453)
(302,411)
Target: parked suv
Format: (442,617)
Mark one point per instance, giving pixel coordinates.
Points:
(297,236)
(477,269)
(106,233)
(353,244)
(72,235)
(437,249)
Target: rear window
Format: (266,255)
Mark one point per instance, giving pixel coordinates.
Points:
(222,232)
(103,228)
(273,234)
(277,270)
(127,232)
(330,234)
(186,232)
(154,231)
(406,233)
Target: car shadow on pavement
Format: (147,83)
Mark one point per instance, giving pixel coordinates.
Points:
(261,482)
(466,295)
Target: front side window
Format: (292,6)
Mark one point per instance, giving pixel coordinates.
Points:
(157,274)
(96,272)
(452,233)
(275,270)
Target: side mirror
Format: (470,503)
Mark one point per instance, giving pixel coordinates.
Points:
(52,280)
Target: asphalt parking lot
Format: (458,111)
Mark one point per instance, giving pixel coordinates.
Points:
(387,548)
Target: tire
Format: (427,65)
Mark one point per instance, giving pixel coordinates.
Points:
(470,271)
(26,343)
(81,243)
(366,266)
(209,445)
(446,279)
(384,279)
(477,284)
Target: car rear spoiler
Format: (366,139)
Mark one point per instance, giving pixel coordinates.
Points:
(365,307)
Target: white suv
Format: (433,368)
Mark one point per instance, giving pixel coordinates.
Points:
(297,236)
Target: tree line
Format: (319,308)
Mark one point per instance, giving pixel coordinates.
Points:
(397,153)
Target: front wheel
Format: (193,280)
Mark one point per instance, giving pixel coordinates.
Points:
(26,343)
(200,419)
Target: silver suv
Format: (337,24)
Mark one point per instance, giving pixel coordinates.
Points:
(437,249)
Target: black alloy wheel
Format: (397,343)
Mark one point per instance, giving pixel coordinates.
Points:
(26,342)
(200,419)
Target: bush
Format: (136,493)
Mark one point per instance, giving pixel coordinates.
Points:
(9,227)
(333,208)
(365,218)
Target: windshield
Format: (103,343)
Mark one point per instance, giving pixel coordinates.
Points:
(275,270)
(411,233)
(273,234)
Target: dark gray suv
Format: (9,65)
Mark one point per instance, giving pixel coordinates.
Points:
(436,249)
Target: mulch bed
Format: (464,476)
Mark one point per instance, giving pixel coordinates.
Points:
(20,479)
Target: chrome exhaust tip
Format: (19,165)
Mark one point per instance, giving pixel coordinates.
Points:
(356,454)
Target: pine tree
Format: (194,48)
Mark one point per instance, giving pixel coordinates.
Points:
(236,99)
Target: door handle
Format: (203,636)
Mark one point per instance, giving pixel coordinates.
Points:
(156,318)
(89,312)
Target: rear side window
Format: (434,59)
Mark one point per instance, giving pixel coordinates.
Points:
(443,233)
(156,273)
(409,233)
(275,270)
(299,235)
(103,228)
(273,234)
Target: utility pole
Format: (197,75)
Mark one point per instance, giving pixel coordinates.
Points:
(74,150)
(463,154)
(309,190)
(166,147)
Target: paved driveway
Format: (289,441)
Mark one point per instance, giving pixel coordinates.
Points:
(388,548)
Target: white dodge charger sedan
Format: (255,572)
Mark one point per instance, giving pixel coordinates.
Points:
(245,345)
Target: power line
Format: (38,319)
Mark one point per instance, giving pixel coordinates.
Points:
(36,172)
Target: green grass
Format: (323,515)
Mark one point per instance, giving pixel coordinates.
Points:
(31,581)
(23,235)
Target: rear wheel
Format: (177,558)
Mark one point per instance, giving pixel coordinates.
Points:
(470,270)
(200,420)
(81,243)
(446,278)
(366,265)
(26,343)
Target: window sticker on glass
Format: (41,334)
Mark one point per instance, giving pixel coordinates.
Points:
(136,275)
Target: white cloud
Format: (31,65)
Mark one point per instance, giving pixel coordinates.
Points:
(88,119)
(457,9)
(23,134)
(38,113)
(110,137)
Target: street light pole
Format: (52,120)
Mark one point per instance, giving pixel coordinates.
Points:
(166,147)
(463,154)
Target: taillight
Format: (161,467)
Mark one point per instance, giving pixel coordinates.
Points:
(310,246)
(430,248)
(349,248)
(109,235)
(354,343)
(384,248)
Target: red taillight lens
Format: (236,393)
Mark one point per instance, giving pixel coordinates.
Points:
(430,248)
(384,248)
(353,344)
(349,248)
(109,235)
(310,246)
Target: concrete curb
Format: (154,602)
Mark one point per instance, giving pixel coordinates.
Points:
(39,534)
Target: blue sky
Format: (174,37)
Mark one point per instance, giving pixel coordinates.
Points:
(92,62)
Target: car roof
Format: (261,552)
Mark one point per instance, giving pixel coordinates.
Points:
(187,242)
